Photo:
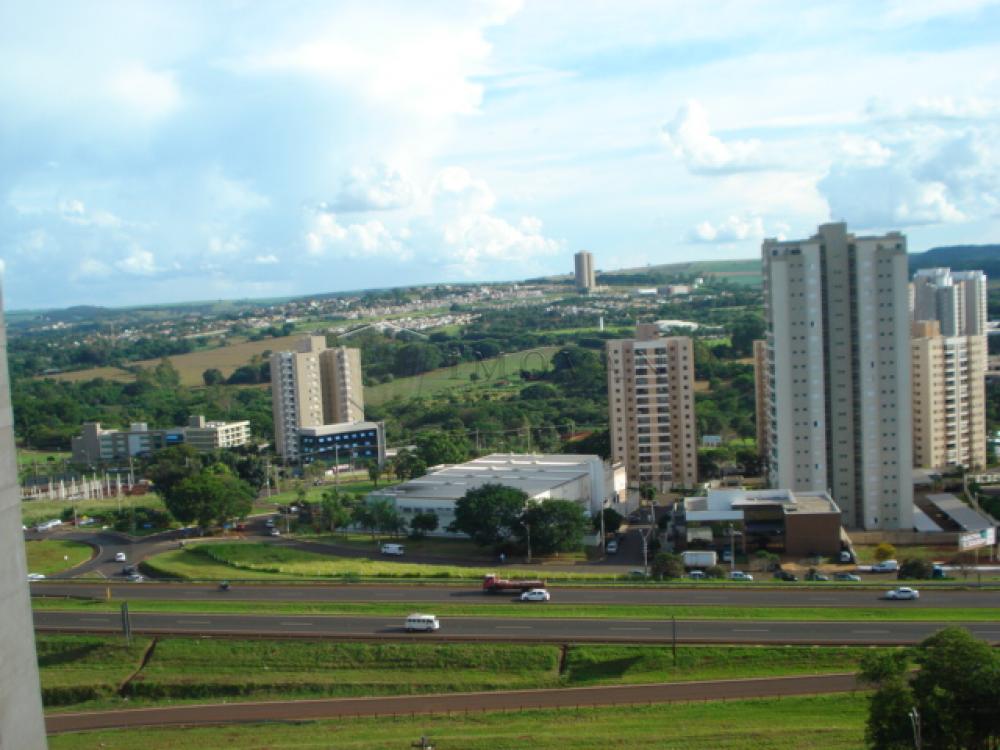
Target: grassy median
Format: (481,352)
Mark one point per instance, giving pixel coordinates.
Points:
(81,672)
(54,556)
(899,612)
(832,722)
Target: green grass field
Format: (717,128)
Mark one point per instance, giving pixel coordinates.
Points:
(89,672)
(830,722)
(35,511)
(43,460)
(491,372)
(506,607)
(54,555)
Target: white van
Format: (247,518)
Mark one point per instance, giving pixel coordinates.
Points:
(421,622)
(391,549)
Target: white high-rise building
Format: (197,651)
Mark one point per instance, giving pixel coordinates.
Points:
(311,387)
(955,299)
(21,722)
(583,267)
(838,370)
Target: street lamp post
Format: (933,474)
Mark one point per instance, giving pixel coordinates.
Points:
(527,526)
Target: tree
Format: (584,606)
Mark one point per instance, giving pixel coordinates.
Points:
(884,551)
(379,514)
(374,471)
(423,523)
(914,568)
(408,465)
(335,510)
(211,495)
(441,448)
(667,565)
(556,526)
(612,520)
(167,467)
(745,331)
(213,376)
(647,492)
(489,514)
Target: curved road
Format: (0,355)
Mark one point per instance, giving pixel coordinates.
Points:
(611,595)
(513,629)
(604,695)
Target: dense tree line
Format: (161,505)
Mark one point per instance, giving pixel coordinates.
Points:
(40,353)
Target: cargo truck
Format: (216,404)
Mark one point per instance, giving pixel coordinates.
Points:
(699,558)
(494,585)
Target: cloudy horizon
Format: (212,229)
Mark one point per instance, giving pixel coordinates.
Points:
(166,152)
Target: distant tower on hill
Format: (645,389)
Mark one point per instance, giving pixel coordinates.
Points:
(584,268)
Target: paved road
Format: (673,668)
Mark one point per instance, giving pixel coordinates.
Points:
(749,597)
(605,695)
(513,629)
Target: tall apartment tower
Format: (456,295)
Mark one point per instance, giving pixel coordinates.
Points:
(761,407)
(313,386)
(956,299)
(949,398)
(651,408)
(838,341)
(21,722)
(584,271)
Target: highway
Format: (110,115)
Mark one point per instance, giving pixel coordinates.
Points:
(513,629)
(792,596)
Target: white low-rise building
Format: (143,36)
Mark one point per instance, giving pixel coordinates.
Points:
(581,478)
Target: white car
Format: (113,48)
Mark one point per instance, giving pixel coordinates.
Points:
(612,547)
(120,557)
(535,595)
(36,576)
(903,592)
(275,532)
(739,575)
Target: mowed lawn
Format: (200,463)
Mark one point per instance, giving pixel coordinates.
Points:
(55,555)
(490,372)
(78,669)
(830,722)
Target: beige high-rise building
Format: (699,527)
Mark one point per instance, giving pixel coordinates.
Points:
(21,722)
(949,398)
(761,408)
(585,278)
(311,387)
(956,299)
(839,372)
(651,408)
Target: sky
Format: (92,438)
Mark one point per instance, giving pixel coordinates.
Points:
(158,152)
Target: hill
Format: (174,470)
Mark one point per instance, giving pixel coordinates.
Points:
(985,258)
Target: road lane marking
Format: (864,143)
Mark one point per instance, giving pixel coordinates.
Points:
(513,627)
(290,623)
(194,622)
(751,630)
(631,628)
(95,619)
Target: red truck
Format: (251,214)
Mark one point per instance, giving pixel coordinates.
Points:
(494,585)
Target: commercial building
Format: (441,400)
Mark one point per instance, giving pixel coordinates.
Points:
(314,386)
(349,442)
(583,479)
(838,372)
(21,723)
(779,521)
(584,276)
(956,299)
(97,445)
(651,408)
(949,398)
(761,408)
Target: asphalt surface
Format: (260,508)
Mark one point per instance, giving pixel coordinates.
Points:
(749,597)
(513,629)
(605,695)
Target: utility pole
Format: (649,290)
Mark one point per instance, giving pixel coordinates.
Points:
(528,527)
(918,740)
(604,553)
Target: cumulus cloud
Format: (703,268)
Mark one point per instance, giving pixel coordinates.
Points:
(325,235)
(690,139)
(138,262)
(376,188)
(731,229)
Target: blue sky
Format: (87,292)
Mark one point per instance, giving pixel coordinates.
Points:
(171,151)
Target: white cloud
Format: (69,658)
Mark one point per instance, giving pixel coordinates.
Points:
(232,244)
(149,94)
(138,262)
(266,260)
(731,229)
(325,235)
(863,150)
(455,191)
(93,268)
(931,108)
(376,188)
(690,139)
(477,239)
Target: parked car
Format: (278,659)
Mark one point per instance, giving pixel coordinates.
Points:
(697,574)
(784,575)
(535,595)
(275,532)
(903,592)
(846,577)
(120,557)
(36,576)
(739,575)
(727,555)
(815,575)
(392,549)
(611,547)
(886,566)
